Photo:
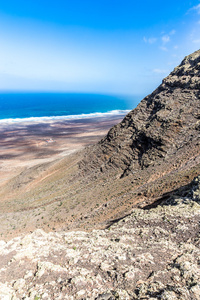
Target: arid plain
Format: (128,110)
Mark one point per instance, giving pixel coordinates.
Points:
(27,147)
(25,144)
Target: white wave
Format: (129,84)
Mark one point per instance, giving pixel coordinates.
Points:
(69,117)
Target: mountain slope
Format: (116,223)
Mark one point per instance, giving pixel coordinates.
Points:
(163,123)
(151,254)
(149,155)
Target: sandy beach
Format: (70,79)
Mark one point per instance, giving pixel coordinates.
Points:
(25,144)
(31,154)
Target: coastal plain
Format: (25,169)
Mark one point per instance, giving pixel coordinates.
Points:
(32,147)
(25,144)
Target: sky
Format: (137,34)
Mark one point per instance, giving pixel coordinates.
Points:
(103,46)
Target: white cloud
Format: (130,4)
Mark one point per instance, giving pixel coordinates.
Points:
(151,40)
(165,39)
(196,41)
(163,48)
(160,71)
(172,32)
(197,8)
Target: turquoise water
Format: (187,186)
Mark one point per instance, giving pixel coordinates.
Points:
(57,105)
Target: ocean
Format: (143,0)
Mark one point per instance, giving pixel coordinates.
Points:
(16,107)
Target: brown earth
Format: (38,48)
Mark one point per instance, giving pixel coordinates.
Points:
(25,144)
(151,254)
(143,159)
(28,152)
(135,184)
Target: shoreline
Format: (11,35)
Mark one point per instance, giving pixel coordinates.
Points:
(83,116)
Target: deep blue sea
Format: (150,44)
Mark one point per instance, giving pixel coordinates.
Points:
(15,106)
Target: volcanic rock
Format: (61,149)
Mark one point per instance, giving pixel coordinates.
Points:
(151,254)
(164,128)
(141,162)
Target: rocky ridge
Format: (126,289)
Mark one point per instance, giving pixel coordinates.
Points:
(164,128)
(154,151)
(151,254)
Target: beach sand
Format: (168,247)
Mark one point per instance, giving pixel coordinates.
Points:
(25,144)
(31,155)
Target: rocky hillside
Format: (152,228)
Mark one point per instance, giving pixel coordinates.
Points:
(118,220)
(151,254)
(144,159)
(164,126)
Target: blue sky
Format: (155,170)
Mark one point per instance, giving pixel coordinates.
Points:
(102,46)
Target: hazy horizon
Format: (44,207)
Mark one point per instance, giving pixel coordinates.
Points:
(107,47)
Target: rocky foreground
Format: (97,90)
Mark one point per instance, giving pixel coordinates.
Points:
(154,253)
